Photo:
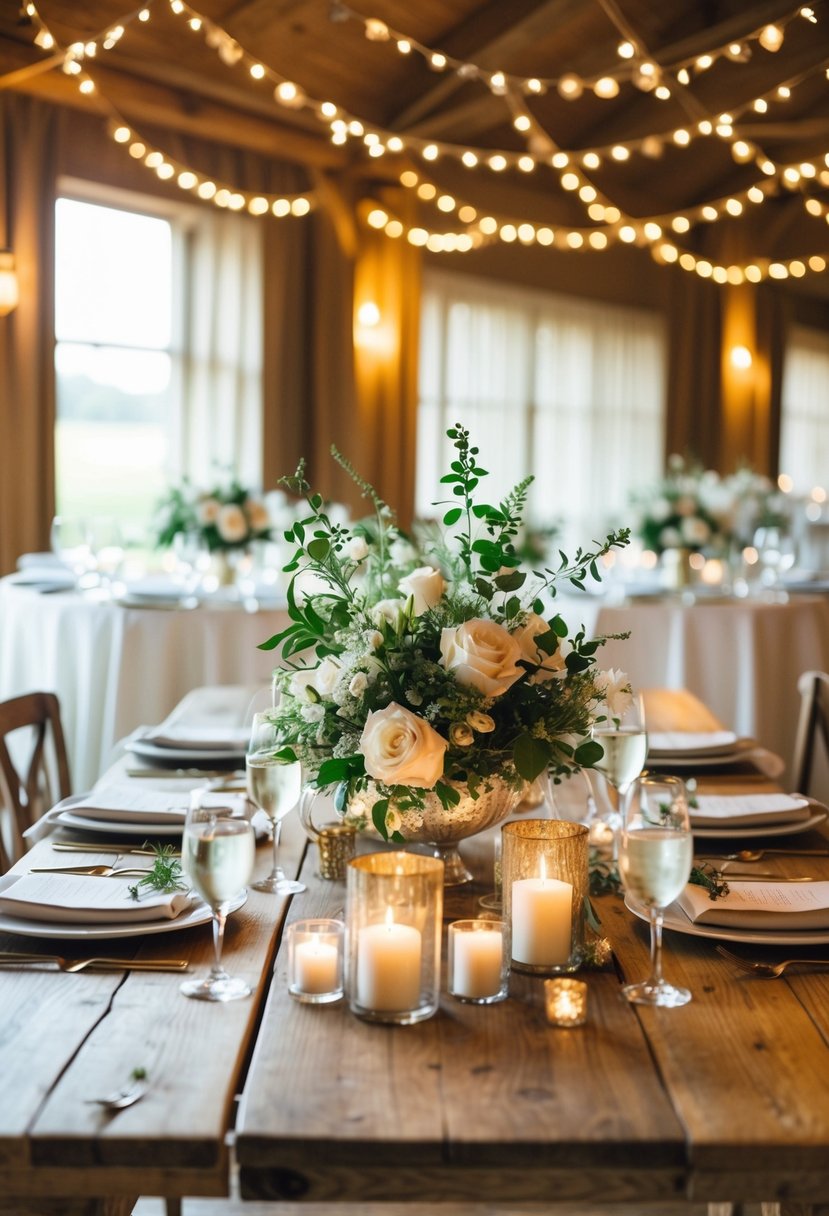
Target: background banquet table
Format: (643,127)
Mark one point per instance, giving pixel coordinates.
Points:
(741,657)
(115,667)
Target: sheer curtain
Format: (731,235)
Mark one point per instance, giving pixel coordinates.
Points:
(804,439)
(568,390)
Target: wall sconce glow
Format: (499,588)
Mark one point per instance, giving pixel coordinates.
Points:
(9,292)
(741,358)
(368,315)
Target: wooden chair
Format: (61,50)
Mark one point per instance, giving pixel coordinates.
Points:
(38,776)
(813,722)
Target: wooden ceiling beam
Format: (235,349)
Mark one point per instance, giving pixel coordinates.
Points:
(144,101)
(496,31)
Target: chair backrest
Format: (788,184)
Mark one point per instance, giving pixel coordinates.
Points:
(813,722)
(34,769)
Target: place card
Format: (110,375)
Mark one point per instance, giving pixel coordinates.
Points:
(79,899)
(760,905)
(738,810)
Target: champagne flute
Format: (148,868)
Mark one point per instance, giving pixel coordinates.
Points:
(655,858)
(274,786)
(217,855)
(625,744)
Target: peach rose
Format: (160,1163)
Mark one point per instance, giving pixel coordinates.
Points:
(401,749)
(481,653)
(426,585)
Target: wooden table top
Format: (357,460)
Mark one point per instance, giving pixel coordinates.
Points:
(724,1099)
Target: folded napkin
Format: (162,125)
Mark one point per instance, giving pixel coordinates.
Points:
(743,810)
(691,742)
(760,905)
(199,738)
(77,899)
(128,804)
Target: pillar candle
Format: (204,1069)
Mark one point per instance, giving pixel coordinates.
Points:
(315,966)
(388,967)
(541,921)
(476,968)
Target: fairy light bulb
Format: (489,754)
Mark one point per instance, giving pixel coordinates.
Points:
(377,150)
(533,85)
(570,86)
(596,212)
(186,180)
(771,38)
(144,15)
(612,215)
(570,181)
(355,127)
(709,213)
(625,50)
(606,87)
(683,76)
(627,233)
(587,194)
(280,207)
(165,171)
(469,159)
(560,160)
(662,92)
(497,163)
(784,92)
(426,191)
(376,30)
(430,152)
(522,122)
(526,164)
(760,106)
(377,218)
(87,86)
(446,203)
(508,233)
(703,62)
(591,160)
(682,137)
(44,40)
(652,231)
(742,151)
(526,234)
(195,24)
(498,83)
(122,135)
(620,152)
(259,206)
(287,93)
(597,240)
(755,195)
(404,46)
(733,206)
(137,150)
(680,224)
(394,229)
(545,236)
(705,127)
(651,146)
(409,178)
(257,71)
(467,214)
(394,144)
(437,61)
(669,253)
(206,190)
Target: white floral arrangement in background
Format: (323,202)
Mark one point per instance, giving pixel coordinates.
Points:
(225,516)
(697,509)
(411,671)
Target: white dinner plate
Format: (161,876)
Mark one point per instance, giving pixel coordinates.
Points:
(735,753)
(198,914)
(727,747)
(109,827)
(759,830)
(675,918)
(195,757)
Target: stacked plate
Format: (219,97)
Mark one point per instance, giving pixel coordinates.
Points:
(764,913)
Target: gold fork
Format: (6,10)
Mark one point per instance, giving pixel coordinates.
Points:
(9,958)
(93,871)
(770,971)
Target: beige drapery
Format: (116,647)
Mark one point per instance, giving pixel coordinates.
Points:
(28,152)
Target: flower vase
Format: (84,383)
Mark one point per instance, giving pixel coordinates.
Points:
(440,829)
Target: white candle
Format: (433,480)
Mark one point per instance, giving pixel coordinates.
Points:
(476,964)
(541,921)
(388,967)
(315,966)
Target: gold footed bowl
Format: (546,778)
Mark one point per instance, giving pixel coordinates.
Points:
(439,829)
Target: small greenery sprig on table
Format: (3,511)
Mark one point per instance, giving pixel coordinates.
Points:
(165,876)
(414,672)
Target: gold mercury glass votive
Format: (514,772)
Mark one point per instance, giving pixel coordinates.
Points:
(545,882)
(566,1002)
(394,918)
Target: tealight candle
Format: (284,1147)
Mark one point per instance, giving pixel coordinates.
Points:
(388,966)
(315,960)
(541,921)
(566,1002)
(477,970)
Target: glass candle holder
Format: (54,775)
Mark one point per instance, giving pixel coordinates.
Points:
(566,1002)
(478,962)
(394,916)
(545,881)
(315,960)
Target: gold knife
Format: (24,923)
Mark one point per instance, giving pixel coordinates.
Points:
(10,958)
(75,846)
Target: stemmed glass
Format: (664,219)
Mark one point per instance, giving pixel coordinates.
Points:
(655,858)
(274,786)
(776,550)
(217,855)
(625,744)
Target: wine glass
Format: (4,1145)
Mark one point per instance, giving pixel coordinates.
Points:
(69,540)
(274,786)
(217,855)
(625,743)
(655,858)
(776,549)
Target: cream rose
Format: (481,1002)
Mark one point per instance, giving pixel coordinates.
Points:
(401,749)
(481,653)
(426,585)
(553,664)
(356,549)
(257,514)
(207,510)
(232,523)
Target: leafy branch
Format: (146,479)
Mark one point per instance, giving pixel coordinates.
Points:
(166,874)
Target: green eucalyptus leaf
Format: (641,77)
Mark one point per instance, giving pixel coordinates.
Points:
(588,753)
(378,817)
(452,516)
(319,548)
(510,582)
(530,756)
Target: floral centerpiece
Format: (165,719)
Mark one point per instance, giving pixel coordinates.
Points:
(415,678)
(226,516)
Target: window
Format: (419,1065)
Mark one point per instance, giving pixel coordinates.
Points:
(804,435)
(568,390)
(159,351)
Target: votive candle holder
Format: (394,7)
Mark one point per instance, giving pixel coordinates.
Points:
(315,960)
(545,882)
(565,1001)
(394,920)
(477,961)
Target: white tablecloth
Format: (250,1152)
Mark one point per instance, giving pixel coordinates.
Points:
(115,668)
(742,658)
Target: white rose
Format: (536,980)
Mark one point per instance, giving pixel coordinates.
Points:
(326,676)
(614,689)
(553,664)
(481,653)
(387,610)
(358,684)
(426,585)
(257,514)
(695,531)
(401,749)
(356,549)
(207,510)
(232,523)
(374,639)
(300,682)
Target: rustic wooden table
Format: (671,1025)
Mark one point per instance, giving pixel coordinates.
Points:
(726,1099)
